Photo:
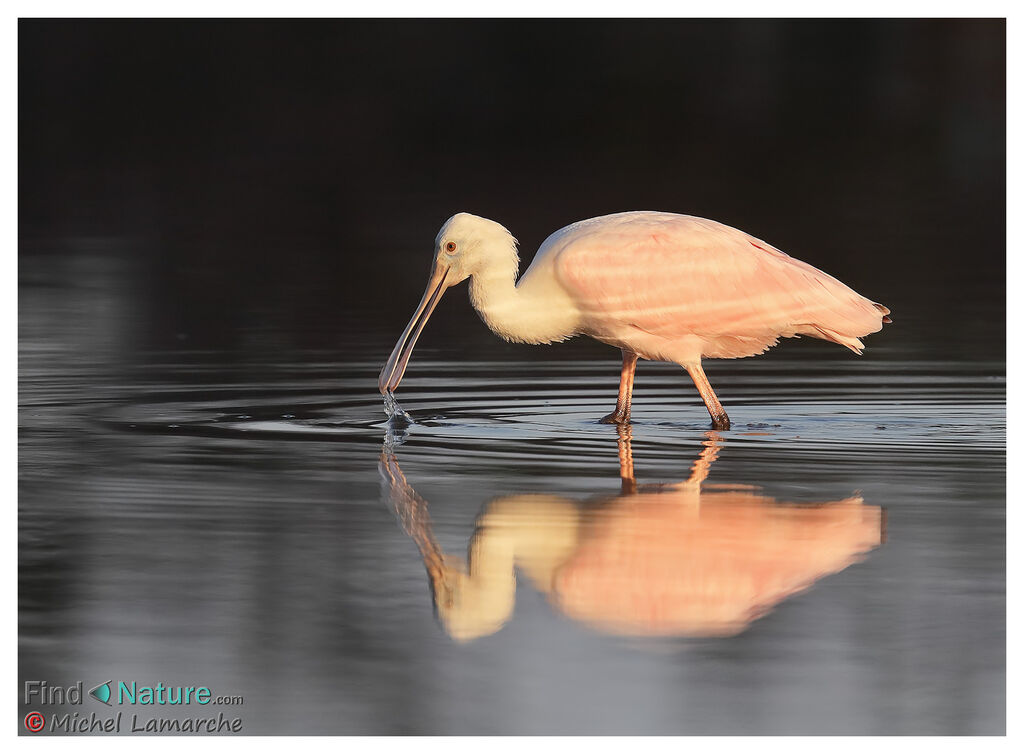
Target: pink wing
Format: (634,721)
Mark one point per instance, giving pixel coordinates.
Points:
(674,276)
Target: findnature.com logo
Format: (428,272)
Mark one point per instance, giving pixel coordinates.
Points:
(164,698)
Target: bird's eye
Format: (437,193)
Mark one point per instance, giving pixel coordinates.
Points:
(450,247)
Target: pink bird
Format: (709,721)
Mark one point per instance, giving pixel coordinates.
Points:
(657,285)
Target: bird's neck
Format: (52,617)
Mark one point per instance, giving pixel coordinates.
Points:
(530,312)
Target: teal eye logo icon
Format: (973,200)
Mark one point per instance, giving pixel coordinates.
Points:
(101,693)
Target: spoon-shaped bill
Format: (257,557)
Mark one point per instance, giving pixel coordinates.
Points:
(393,371)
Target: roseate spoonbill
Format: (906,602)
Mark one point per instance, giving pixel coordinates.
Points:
(686,559)
(657,285)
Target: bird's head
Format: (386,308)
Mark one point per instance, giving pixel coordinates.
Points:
(468,244)
(465,246)
(469,607)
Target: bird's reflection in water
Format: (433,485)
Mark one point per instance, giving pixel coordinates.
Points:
(685,559)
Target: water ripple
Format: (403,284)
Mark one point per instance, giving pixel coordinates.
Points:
(550,408)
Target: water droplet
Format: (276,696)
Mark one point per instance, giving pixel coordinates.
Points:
(397,417)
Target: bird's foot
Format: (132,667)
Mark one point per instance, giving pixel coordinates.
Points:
(720,421)
(615,417)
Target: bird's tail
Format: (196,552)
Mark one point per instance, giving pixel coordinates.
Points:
(854,344)
(850,341)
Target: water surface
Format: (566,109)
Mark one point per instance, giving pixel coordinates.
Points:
(240,524)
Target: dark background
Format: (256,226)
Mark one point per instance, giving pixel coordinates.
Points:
(278,184)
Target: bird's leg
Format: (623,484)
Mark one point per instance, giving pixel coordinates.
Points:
(626,459)
(702,466)
(621,413)
(719,419)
